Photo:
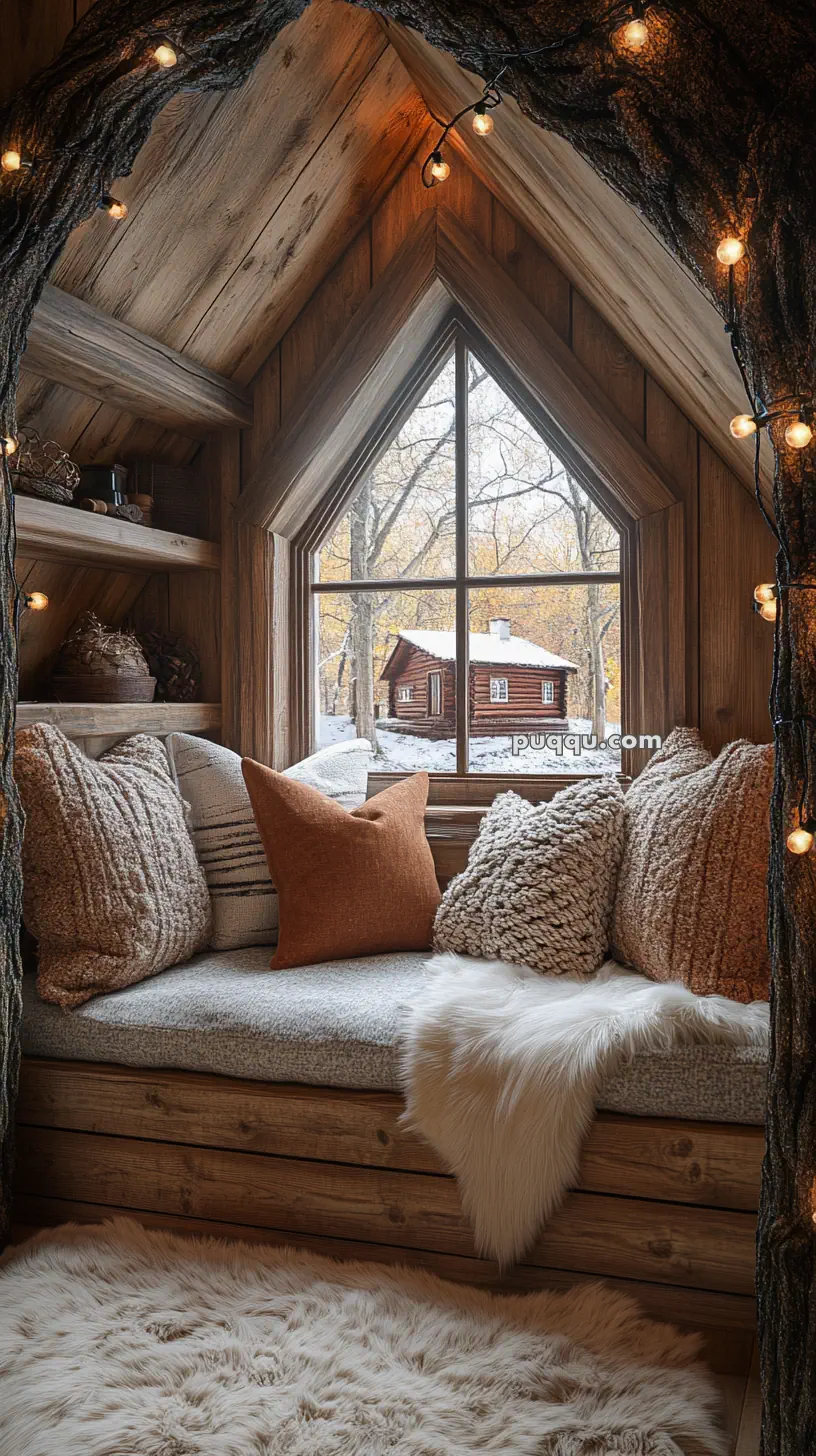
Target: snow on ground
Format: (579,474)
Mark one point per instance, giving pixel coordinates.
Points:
(402,752)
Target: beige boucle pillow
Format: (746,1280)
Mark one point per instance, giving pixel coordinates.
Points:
(692,902)
(112,888)
(540,881)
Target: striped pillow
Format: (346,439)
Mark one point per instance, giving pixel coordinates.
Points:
(229,849)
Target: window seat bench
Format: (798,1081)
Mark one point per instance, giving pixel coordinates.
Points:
(220,1098)
(336,1025)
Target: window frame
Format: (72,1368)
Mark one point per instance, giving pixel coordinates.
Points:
(547,692)
(499,682)
(405,693)
(458,336)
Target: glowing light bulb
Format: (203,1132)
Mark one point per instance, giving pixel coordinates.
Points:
(164,55)
(765,592)
(634,34)
(37,601)
(768,611)
(798,434)
(800,840)
(742,426)
(114,208)
(482,121)
(11,161)
(440,170)
(8,444)
(730,251)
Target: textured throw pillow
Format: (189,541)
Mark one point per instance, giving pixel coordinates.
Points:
(112,888)
(540,881)
(692,901)
(244,900)
(350,884)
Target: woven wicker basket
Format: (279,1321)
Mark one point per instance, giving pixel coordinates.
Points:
(103,687)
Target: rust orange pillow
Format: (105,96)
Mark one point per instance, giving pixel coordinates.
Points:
(349,884)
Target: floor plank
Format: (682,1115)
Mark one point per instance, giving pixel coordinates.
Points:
(751,1415)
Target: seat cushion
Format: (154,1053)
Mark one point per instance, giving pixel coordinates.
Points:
(337,1025)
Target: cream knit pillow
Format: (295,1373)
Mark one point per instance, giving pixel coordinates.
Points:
(692,902)
(540,881)
(209,777)
(112,888)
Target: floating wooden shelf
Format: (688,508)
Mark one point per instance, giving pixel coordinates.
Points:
(63,533)
(89,720)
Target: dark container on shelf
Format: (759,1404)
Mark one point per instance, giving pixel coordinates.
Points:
(107,483)
(180,504)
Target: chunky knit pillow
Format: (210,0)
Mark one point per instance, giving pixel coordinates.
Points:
(112,888)
(692,902)
(540,881)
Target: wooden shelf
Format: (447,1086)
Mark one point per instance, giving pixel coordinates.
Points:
(89,720)
(64,533)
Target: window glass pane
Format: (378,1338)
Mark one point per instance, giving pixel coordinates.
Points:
(387,671)
(556,652)
(402,521)
(526,512)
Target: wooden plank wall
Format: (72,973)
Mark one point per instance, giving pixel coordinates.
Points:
(728,548)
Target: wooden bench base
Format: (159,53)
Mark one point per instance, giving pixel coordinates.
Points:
(663,1208)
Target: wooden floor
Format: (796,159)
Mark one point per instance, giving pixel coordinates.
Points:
(741,1397)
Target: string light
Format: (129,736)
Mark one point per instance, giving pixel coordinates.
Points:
(113,207)
(765,592)
(440,171)
(800,840)
(742,426)
(768,611)
(8,444)
(164,55)
(798,434)
(482,120)
(634,34)
(11,160)
(731,251)
(36,601)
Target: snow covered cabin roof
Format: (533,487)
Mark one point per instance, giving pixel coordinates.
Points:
(486,647)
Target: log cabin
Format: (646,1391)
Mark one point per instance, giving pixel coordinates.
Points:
(254,358)
(514,686)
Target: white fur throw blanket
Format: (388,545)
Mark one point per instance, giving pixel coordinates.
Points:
(501,1067)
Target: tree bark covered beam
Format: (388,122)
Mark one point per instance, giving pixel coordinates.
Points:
(707,131)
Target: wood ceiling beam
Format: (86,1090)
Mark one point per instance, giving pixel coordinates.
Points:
(600,242)
(72,343)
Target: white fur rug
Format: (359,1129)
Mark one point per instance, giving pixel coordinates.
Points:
(115,1341)
(501,1067)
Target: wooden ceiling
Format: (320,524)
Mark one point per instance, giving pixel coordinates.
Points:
(604,247)
(241,202)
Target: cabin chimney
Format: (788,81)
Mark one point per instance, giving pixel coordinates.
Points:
(500,627)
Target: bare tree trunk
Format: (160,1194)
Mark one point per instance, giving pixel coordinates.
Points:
(597,672)
(362,617)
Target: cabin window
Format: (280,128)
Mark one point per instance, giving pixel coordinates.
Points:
(469,556)
(435,694)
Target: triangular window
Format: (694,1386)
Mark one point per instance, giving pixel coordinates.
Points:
(467,603)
